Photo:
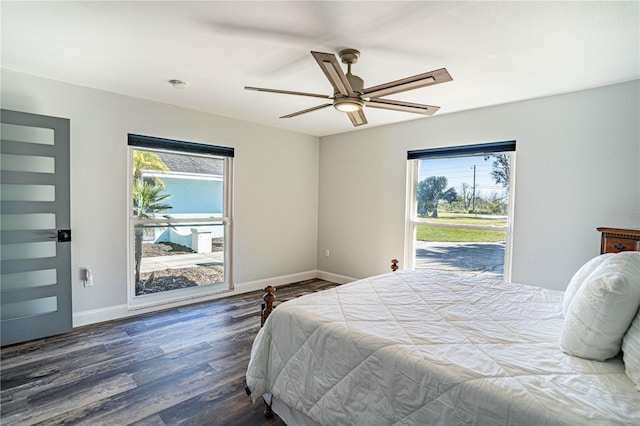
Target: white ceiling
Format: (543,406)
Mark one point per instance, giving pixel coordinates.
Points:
(496,52)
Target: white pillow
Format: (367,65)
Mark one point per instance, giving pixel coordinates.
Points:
(579,277)
(631,351)
(603,308)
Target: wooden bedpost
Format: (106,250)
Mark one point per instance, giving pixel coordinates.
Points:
(394,265)
(268,411)
(269,299)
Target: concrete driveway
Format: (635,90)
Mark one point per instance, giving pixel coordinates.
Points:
(486,259)
(177,261)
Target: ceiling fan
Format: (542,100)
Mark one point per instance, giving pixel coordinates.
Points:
(350,96)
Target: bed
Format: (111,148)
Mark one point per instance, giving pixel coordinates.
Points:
(427,348)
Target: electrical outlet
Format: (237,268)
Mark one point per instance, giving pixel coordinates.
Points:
(326,252)
(87,277)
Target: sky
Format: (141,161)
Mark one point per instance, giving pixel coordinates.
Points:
(460,169)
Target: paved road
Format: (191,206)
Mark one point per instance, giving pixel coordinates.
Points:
(486,259)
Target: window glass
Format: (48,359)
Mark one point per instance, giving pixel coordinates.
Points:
(179,222)
(461,214)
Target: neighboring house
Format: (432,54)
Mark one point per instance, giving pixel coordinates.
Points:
(196,187)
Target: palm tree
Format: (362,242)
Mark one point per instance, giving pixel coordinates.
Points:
(147,201)
(145,160)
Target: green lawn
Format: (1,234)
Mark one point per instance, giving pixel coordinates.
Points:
(436,234)
(465,219)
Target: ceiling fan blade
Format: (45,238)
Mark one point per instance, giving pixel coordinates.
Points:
(287,92)
(421,80)
(304,111)
(357,118)
(402,106)
(331,68)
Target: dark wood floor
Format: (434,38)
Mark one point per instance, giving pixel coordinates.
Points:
(184,366)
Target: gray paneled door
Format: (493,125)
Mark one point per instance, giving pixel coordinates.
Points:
(35,227)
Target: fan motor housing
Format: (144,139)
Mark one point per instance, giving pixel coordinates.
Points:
(357,84)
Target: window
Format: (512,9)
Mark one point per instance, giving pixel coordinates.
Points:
(460,209)
(180,219)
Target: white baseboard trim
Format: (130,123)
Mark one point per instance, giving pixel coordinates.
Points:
(275,281)
(123,311)
(335,278)
(100,315)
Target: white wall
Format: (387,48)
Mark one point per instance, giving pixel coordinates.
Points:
(577,168)
(276,183)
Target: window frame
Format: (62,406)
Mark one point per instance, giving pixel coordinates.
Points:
(411,213)
(135,302)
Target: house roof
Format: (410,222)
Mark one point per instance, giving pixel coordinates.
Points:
(497,52)
(192,164)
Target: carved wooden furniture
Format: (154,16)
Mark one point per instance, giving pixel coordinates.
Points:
(269,303)
(394,265)
(615,240)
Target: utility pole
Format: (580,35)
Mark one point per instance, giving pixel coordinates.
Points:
(473,196)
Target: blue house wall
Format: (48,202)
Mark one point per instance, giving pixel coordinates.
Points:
(192,196)
(195,197)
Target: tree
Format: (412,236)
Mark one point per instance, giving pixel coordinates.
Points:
(500,168)
(466,196)
(145,160)
(430,191)
(147,200)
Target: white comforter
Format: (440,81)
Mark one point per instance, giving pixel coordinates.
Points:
(425,347)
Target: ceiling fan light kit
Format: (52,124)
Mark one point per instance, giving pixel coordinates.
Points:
(348,104)
(350,96)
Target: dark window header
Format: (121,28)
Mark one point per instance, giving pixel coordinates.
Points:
(457,151)
(141,141)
